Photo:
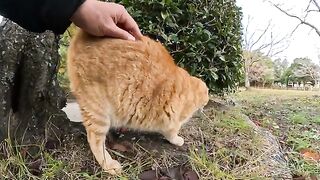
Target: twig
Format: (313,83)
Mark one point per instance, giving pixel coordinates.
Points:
(316,4)
(298,18)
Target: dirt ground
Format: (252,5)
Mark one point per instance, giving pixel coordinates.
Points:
(219,144)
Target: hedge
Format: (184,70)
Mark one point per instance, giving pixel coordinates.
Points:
(203,36)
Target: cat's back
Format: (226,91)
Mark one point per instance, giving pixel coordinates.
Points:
(117,60)
(85,48)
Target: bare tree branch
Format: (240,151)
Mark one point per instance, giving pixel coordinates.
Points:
(302,21)
(312,10)
(250,40)
(261,35)
(294,30)
(271,45)
(258,44)
(280,49)
(253,60)
(258,41)
(246,33)
(316,4)
(309,4)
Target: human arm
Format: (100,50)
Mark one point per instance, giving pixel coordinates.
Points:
(40,15)
(95,17)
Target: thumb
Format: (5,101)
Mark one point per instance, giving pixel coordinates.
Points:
(114,31)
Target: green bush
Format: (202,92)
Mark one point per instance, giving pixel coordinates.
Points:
(203,36)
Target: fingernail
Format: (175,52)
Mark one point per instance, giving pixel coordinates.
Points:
(130,37)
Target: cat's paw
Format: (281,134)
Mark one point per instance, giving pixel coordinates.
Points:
(113,167)
(177,140)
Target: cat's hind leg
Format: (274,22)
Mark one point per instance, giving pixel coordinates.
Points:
(97,129)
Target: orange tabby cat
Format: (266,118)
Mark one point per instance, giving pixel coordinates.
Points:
(133,84)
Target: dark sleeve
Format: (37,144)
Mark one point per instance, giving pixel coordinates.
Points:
(40,15)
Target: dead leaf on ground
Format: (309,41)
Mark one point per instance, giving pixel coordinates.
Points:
(149,175)
(120,147)
(35,167)
(310,154)
(176,173)
(24,152)
(51,144)
(190,175)
(312,177)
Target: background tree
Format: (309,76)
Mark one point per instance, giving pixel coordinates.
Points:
(306,70)
(280,66)
(302,70)
(309,18)
(262,71)
(263,41)
(288,76)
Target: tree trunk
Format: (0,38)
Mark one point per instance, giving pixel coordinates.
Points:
(30,96)
(246,77)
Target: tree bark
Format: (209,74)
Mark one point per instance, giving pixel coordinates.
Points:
(30,96)
(246,76)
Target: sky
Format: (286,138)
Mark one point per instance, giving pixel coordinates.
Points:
(302,43)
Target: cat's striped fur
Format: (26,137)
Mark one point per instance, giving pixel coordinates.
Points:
(134,84)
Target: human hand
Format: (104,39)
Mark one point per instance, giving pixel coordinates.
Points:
(106,19)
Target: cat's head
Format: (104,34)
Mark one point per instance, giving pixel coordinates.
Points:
(201,92)
(197,98)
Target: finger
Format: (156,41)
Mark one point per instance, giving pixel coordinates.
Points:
(114,31)
(130,25)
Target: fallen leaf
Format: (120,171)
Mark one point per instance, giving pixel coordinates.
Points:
(24,152)
(119,147)
(173,173)
(190,175)
(164,178)
(295,177)
(148,175)
(313,177)
(51,144)
(35,167)
(299,178)
(310,154)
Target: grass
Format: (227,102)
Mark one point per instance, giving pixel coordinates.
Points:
(291,115)
(205,165)
(316,120)
(219,144)
(298,118)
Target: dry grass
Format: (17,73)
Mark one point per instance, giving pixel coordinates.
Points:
(254,92)
(294,116)
(220,144)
